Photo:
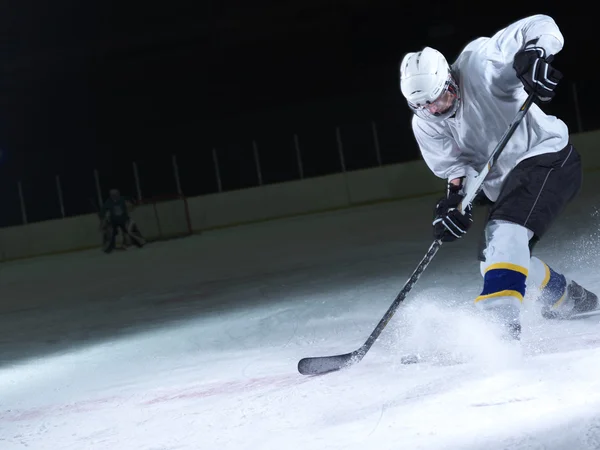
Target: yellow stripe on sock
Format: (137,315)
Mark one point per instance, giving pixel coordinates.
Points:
(547,277)
(506,293)
(508,266)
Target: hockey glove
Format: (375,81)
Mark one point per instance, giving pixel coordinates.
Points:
(449,223)
(535,72)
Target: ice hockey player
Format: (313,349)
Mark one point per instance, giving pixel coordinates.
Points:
(116,211)
(460,114)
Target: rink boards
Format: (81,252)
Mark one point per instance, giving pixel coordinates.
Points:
(176,217)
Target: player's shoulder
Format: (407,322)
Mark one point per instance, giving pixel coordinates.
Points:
(474,53)
(477,63)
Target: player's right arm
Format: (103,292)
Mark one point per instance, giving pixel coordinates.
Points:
(444,159)
(439,150)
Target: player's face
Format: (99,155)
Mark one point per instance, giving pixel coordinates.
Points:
(442,107)
(441,104)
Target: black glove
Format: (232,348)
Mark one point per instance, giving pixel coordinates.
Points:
(535,72)
(449,223)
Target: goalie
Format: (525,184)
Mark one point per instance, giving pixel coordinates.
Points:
(115,216)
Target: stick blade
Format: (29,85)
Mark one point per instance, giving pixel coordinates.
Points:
(324,364)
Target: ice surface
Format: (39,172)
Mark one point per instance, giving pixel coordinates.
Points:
(193,343)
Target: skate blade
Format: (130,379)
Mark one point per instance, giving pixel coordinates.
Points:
(586,314)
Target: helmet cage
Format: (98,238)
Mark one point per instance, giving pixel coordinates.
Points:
(441,108)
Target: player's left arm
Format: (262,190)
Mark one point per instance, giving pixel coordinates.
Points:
(527,48)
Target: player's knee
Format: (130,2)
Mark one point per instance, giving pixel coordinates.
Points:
(506,242)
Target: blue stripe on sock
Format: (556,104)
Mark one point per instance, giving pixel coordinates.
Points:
(555,288)
(497,280)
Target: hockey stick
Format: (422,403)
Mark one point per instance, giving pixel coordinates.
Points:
(323,364)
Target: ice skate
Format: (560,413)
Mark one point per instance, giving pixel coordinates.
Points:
(513,331)
(576,300)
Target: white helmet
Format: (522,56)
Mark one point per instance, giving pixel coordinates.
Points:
(427,83)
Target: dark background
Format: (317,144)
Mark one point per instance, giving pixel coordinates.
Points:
(92,84)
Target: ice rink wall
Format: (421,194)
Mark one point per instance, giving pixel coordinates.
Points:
(197,214)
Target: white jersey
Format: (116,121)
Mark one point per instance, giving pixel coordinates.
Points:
(491,95)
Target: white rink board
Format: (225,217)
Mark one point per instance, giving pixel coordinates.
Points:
(171,218)
(226,209)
